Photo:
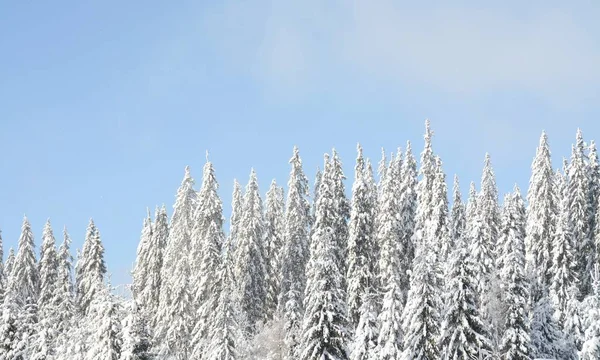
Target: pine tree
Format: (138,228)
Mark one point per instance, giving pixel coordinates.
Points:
(563,255)
(391,280)
(425,207)
(135,344)
(172,331)
(64,297)
(90,269)
(274,227)
(515,341)
(8,266)
(546,338)
(325,333)
(463,335)
(250,268)
(443,242)
(237,203)
(343,207)
(471,209)
(407,208)
(154,260)
(208,239)
(594,188)
(23,286)
(294,253)
(458,217)
(579,205)
(104,314)
(541,213)
(143,263)
(360,242)
(225,335)
(366,333)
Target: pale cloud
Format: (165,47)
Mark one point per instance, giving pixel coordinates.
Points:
(463,51)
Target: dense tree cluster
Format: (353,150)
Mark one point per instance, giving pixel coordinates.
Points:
(396,270)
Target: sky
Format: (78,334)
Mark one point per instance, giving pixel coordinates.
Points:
(104,103)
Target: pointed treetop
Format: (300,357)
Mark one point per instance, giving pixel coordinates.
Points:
(517,190)
(187,172)
(428,131)
(456,190)
(543,138)
(296,156)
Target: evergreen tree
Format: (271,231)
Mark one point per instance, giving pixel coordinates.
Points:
(23,287)
(515,341)
(487,208)
(580,213)
(250,268)
(174,316)
(64,297)
(591,306)
(135,344)
(143,264)
(563,255)
(366,333)
(458,217)
(443,242)
(295,253)
(541,213)
(325,332)
(208,239)
(340,234)
(237,203)
(225,335)
(546,339)
(274,227)
(90,269)
(471,209)
(407,208)
(594,188)
(463,335)
(104,312)
(391,280)
(8,266)
(360,242)
(154,259)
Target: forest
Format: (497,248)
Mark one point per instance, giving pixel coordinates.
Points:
(398,266)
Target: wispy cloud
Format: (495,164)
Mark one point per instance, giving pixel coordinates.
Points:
(463,51)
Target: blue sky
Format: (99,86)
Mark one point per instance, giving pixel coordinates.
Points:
(102,104)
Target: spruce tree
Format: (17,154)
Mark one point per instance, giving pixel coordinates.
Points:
(294,253)
(90,269)
(8,266)
(463,335)
(515,340)
(390,278)
(23,286)
(64,297)
(425,207)
(471,209)
(104,312)
(143,263)
(541,213)
(594,188)
(487,208)
(580,213)
(360,242)
(366,333)
(237,203)
(135,337)
(174,316)
(458,216)
(442,240)
(546,339)
(343,207)
(563,255)
(274,227)
(325,326)
(250,268)
(209,239)
(154,259)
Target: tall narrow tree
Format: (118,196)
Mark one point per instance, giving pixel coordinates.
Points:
(274,227)
(325,327)
(143,263)
(343,207)
(91,269)
(295,253)
(250,268)
(360,242)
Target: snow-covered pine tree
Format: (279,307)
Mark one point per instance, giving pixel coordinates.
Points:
(458,216)
(360,274)
(274,227)
(541,213)
(487,206)
(104,311)
(315,198)
(153,283)
(515,339)
(471,209)
(8,266)
(46,331)
(295,253)
(563,267)
(209,238)
(23,286)
(172,331)
(367,332)
(407,207)
(580,213)
(594,189)
(225,338)
(546,339)
(591,307)
(573,326)
(442,240)
(143,264)
(325,326)
(90,269)
(425,186)
(135,335)
(250,268)
(237,204)
(390,279)
(64,297)
(340,234)
(463,335)
(421,316)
